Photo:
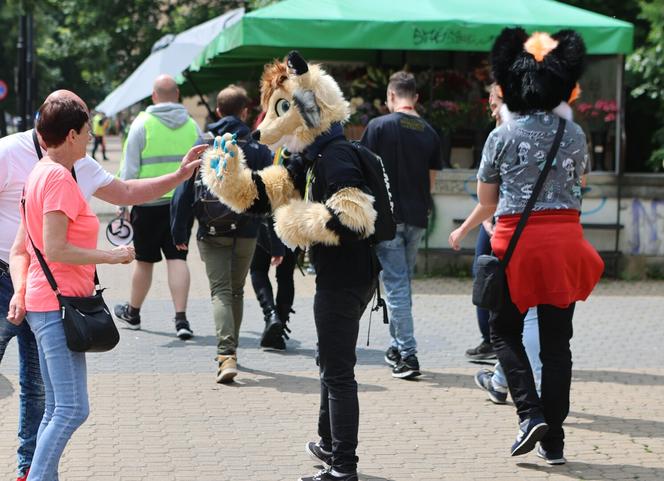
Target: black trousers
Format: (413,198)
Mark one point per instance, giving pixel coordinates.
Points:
(99,141)
(555,329)
(260,267)
(337,313)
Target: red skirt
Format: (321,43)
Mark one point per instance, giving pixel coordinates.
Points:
(552,262)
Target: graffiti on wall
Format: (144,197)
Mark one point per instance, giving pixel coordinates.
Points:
(647,227)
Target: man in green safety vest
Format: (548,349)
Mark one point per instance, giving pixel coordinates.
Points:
(157,140)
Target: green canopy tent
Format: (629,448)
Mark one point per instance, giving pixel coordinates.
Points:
(352,30)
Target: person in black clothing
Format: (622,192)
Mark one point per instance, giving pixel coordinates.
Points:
(334,219)
(271,251)
(226,240)
(410,150)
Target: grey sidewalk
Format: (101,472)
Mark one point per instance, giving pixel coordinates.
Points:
(157,414)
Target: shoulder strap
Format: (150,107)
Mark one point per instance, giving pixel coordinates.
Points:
(536,191)
(38,149)
(40,257)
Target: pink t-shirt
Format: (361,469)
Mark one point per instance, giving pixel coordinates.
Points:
(49,188)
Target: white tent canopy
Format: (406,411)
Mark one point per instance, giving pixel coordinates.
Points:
(170,55)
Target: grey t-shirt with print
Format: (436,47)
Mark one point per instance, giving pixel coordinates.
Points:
(515,153)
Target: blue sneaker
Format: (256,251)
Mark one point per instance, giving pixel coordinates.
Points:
(531,430)
(497,394)
(554,458)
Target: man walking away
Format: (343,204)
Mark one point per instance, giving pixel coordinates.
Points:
(99,126)
(410,150)
(226,240)
(156,142)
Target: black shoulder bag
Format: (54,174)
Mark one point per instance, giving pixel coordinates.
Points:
(490,282)
(88,324)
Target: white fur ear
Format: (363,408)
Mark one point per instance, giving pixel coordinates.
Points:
(564,111)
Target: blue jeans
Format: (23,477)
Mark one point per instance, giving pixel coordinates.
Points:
(531,343)
(397,257)
(31,397)
(65,383)
(482,246)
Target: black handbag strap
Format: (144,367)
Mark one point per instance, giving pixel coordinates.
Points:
(38,149)
(536,191)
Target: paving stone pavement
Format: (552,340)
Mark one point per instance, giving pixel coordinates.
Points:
(157,414)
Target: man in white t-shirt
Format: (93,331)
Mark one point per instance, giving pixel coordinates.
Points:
(18,155)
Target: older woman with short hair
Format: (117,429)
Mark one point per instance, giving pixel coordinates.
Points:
(61,224)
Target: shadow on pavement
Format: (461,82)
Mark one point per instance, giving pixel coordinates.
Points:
(6,387)
(591,471)
(611,424)
(619,377)
(447,380)
(289,383)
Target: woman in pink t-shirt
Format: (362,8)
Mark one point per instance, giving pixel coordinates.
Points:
(63,227)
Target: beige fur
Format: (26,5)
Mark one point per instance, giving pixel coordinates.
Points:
(301,224)
(354,209)
(290,128)
(278,185)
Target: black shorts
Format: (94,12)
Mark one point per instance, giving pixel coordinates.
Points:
(152,234)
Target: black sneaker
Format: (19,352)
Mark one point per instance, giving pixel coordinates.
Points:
(497,395)
(330,475)
(317,453)
(183,330)
(531,430)
(121,311)
(483,352)
(392,356)
(554,458)
(407,368)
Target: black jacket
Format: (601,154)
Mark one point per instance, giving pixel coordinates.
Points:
(182,216)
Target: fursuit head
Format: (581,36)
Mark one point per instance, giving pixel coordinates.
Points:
(539,72)
(301,102)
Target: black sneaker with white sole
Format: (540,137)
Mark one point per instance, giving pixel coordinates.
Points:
(483,352)
(318,453)
(392,356)
(407,368)
(183,330)
(121,312)
(330,475)
(554,458)
(531,430)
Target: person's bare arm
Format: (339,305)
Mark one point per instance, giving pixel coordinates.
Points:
(140,191)
(58,249)
(488,200)
(432,179)
(19,261)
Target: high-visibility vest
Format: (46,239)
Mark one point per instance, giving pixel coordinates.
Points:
(98,125)
(164,147)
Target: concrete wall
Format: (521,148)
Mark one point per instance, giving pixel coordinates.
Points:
(640,241)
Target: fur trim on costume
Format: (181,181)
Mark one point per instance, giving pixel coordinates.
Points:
(301,224)
(300,104)
(354,209)
(278,185)
(563,110)
(537,72)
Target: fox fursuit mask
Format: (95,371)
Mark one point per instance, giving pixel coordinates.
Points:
(537,72)
(300,101)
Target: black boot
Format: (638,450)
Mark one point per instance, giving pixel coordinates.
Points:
(284,313)
(272,338)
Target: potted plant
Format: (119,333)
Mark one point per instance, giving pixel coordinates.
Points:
(599,118)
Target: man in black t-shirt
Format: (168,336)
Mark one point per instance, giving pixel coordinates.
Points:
(410,150)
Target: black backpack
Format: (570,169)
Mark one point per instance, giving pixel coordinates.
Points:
(377,181)
(214,216)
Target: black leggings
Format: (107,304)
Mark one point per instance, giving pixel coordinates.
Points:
(260,266)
